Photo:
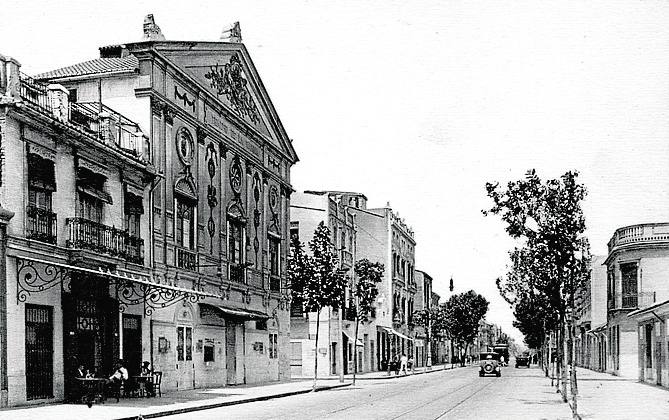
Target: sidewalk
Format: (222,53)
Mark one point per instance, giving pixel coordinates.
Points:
(177,402)
(604,396)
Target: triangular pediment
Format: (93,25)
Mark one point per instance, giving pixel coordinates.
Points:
(227,72)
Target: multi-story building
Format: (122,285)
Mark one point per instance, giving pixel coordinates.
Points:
(384,237)
(591,317)
(335,347)
(150,190)
(424,341)
(637,264)
(653,345)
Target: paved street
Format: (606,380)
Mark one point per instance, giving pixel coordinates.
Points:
(456,394)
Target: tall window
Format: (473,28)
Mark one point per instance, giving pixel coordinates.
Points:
(649,345)
(274,264)
(41,183)
(90,207)
(185,223)
(235,235)
(184,343)
(629,284)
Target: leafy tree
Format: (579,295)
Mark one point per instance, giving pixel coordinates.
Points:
(551,266)
(368,276)
(433,320)
(328,284)
(464,311)
(316,282)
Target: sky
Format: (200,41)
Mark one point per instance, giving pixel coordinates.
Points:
(419,103)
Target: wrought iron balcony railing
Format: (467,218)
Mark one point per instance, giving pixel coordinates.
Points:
(637,300)
(236,273)
(185,259)
(87,234)
(41,225)
(35,93)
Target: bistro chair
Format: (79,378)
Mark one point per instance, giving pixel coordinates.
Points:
(157,379)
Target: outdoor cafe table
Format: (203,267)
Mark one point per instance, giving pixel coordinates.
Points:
(142,380)
(93,388)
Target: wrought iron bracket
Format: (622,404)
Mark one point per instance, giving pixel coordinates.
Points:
(30,279)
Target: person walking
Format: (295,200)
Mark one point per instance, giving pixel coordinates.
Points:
(403,363)
(410,364)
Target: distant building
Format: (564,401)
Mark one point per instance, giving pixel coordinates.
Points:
(423,300)
(637,264)
(384,237)
(333,208)
(591,318)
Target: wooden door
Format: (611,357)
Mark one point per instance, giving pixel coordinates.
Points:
(132,343)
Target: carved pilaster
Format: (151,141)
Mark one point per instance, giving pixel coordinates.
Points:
(157,107)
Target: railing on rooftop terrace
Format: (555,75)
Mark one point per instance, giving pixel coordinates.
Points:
(35,93)
(106,125)
(645,233)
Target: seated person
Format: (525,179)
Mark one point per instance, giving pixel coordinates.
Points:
(81,372)
(148,385)
(119,376)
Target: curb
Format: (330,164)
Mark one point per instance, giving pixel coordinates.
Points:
(228,403)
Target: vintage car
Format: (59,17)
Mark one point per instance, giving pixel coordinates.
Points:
(489,364)
(522,361)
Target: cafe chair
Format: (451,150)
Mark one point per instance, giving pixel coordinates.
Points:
(157,379)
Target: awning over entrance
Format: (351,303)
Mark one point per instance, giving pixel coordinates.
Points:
(397,333)
(357,343)
(233,312)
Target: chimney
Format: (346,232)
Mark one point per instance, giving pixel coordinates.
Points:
(10,80)
(151,30)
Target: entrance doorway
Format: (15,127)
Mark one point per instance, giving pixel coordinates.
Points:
(132,343)
(90,329)
(39,352)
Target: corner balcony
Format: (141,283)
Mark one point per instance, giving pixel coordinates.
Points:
(631,301)
(102,123)
(643,234)
(96,237)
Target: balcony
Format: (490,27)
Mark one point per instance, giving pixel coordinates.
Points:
(638,300)
(650,233)
(236,273)
(185,259)
(101,122)
(93,236)
(41,225)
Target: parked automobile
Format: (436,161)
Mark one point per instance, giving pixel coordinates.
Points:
(522,361)
(489,364)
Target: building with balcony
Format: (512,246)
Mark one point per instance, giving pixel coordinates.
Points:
(335,347)
(653,345)
(384,237)
(637,264)
(150,190)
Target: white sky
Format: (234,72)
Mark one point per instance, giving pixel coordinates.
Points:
(421,102)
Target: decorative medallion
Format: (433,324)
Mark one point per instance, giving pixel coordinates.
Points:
(212,198)
(273,198)
(229,80)
(185,146)
(236,176)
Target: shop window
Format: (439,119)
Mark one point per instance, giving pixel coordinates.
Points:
(209,353)
(184,343)
(273,346)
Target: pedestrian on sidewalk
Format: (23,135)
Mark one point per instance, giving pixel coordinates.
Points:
(392,365)
(403,363)
(410,364)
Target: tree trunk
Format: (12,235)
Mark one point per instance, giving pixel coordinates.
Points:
(318,320)
(355,348)
(564,363)
(572,378)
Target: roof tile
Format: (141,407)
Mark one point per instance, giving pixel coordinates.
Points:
(97,66)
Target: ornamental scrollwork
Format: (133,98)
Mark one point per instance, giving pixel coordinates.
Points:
(229,81)
(212,199)
(30,279)
(236,176)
